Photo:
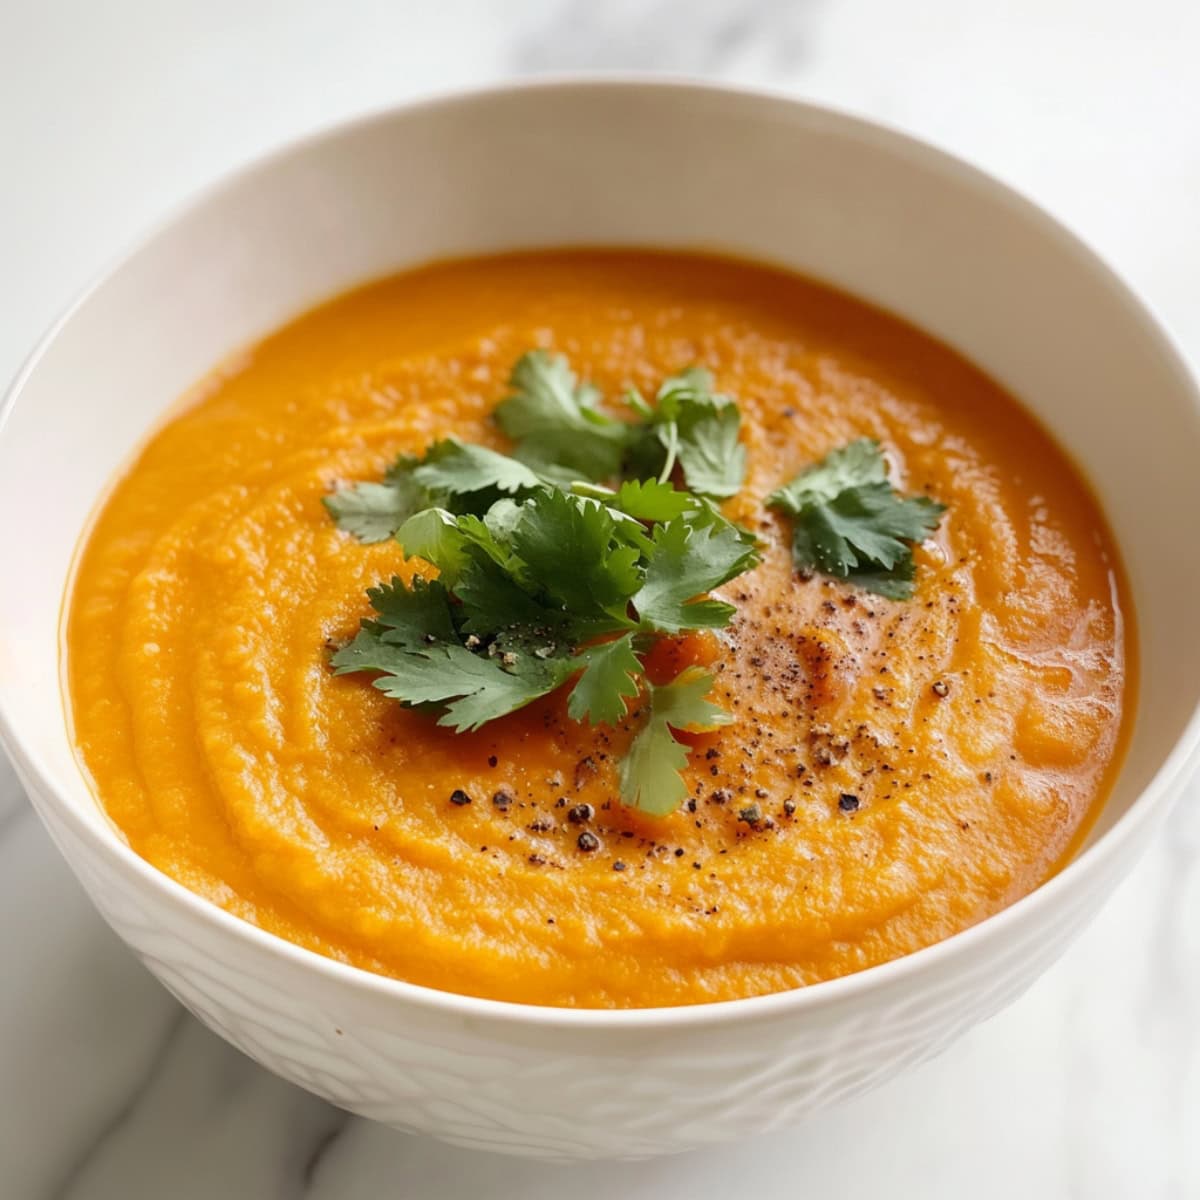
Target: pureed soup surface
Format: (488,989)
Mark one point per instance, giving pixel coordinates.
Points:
(977,725)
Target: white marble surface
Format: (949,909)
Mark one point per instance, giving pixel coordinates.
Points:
(1087,1088)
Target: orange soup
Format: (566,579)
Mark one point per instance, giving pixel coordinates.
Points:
(894,770)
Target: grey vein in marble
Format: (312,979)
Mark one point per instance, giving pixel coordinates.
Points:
(159,1061)
(703,37)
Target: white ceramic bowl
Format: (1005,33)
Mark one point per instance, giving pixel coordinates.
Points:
(656,164)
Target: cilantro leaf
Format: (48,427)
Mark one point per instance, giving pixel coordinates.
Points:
(651,772)
(499,596)
(434,536)
(491,536)
(683,703)
(372,512)
(500,693)
(449,469)
(863,526)
(853,465)
(692,557)
(501,519)
(695,428)
(523,587)
(650,500)
(849,522)
(455,468)
(895,584)
(712,458)
(555,422)
(412,615)
(568,544)
(475,688)
(628,528)
(494,601)
(703,427)
(551,563)
(413,645)
(610,677)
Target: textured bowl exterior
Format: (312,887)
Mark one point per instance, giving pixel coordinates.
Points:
(564,1091)
(868,209)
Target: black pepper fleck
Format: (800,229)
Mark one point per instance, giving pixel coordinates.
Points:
(588,842)
(847,802)
(585,768)
(459,797)
(581,814)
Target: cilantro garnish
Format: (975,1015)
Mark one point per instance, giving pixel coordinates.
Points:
(450,473)
(421,658)
(562,564)
(691,557)
(455,469)
(849,522)
(696,429)
(650,500)
(374,511)
(556,424)
(542,589)
(527,596)
(651,776)
(561,432)
(610,678)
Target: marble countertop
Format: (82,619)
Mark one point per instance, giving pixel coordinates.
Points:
(1088,1087)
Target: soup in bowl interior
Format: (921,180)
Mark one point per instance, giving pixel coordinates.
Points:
(733,635)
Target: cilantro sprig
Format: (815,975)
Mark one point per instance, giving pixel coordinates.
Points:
(561,565)
(557,424)
(849,522)
(561,432)
(546,589)
(693,427)
(651,773)
(466,477)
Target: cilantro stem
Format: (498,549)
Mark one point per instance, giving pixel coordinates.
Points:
(634,399)
(672,430)
(591,491)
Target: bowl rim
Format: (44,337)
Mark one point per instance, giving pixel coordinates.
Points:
(1149,804)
